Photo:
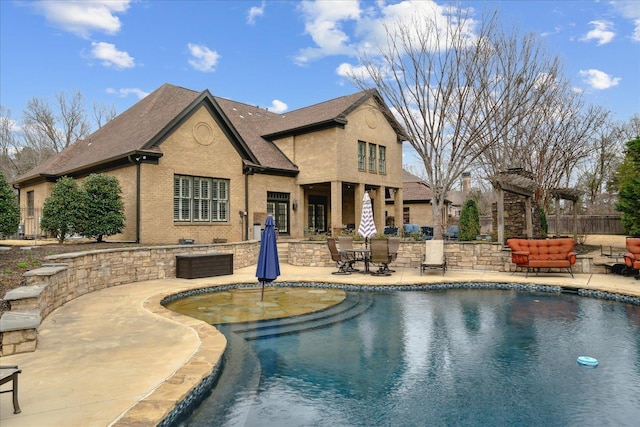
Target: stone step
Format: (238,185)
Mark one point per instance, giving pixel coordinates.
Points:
(41,275)
(353,305)
(19,319)
(25,297)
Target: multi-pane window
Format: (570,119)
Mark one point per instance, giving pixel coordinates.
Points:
(373,158)
(373,148)
(405,215)
(220,200)
(181,198)
(30,204)
(382,159)
(362,155)
(200,199)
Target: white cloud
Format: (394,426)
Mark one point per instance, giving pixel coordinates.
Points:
(629,10)
(124,92)
(84,17)
(255,12)
(601,32)
(323,22)
(203,58)
(326,22)
(348,71)
(112,57)
(599,79)
(278,106)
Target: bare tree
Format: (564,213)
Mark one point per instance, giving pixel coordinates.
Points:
(45,129)
(526,76)
(631,128)
(103,113)
(560,133)
(8,145)
(545,126)
(599,168)
(439,74)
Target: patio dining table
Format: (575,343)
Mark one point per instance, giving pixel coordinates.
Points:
(360,255)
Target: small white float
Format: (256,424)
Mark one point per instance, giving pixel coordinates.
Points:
(588,361)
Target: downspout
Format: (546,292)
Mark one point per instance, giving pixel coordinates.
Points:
(247,172)
(138,167)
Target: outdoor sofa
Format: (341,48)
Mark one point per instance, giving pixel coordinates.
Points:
(534,254)
(632,257)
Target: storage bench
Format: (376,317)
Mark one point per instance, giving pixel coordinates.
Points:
(194,266)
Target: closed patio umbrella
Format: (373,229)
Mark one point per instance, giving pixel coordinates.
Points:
(367,227)
(268,264)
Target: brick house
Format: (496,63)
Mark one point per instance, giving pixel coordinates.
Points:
(416,202)
(195,166)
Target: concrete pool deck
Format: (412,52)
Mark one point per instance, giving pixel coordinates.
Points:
(117,357)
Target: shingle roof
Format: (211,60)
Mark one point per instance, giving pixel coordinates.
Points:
(250,122)
(409,177)
(416,191)
(142,127)
(130,131)
(333,111)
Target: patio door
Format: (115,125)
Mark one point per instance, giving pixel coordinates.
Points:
(317,214)
(278,206)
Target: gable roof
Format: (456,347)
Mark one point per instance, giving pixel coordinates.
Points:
(250,121)
(329,113)
(122,136)
(417,192)
(141,129)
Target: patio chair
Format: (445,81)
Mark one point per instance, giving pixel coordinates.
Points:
(343,261)
(434,256)
(390,231)
(394,245)
(345,243)
(10,374)
(380,256)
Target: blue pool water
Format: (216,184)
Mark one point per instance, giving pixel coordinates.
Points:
(440,358)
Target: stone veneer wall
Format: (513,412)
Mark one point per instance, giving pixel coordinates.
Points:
(91,271)
(460,255)
(480,255)
(69,276)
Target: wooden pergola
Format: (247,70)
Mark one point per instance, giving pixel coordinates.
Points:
(517,184)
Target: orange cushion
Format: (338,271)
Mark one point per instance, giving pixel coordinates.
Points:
(548,251)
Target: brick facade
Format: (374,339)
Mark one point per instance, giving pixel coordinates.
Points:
(200,145)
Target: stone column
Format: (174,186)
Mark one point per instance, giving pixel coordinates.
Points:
(336,207)
(358,195)
(529,222)
(398,211)
(378,208)
(500,215)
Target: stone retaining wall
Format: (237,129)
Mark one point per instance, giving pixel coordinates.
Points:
(460,255)
(68,276)
(480,255)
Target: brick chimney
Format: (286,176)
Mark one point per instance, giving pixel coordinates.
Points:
(466,183)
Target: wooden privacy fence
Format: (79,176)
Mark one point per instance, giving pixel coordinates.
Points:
(586,224)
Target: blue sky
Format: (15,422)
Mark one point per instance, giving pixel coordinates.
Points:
(277,54)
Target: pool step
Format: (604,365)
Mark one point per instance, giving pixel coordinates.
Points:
(354,304)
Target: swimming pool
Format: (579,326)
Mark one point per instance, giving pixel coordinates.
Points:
(454,357)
